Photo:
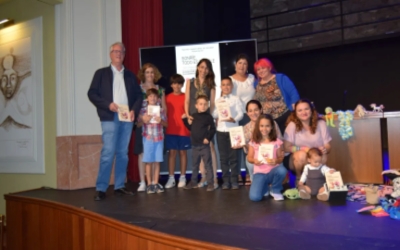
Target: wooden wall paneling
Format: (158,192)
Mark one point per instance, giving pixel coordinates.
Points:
(48,224)
(14,224)
(359,159)
(77,232)
(393,128)
(31,224)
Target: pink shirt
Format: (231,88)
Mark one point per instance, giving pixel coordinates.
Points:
(305,138)
(265,168)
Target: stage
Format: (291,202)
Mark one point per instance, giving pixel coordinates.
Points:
(229,218)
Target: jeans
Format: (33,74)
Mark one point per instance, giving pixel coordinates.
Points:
(115,136)
(261,182)
(250,168)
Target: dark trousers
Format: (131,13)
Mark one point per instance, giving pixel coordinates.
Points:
(228,158)
(198,153)
(281,120)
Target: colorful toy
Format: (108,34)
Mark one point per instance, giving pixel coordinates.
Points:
(376,108)
(345,118)
(292,194)
(360,111)
(394,176)
(329,115)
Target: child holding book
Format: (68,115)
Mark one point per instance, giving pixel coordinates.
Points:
(314,176)
(203,130)
(268,168)
(177,138)
(153,140)
(229,112)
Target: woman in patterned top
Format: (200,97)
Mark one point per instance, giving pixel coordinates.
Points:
(148,76)
(276,92)
(203,84)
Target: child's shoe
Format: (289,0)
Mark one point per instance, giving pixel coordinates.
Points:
(235,186)
(142,187)
(151,189)
(277,197)
(324,196)
(159,188)
(170,182)
(266,194)
(182,182)
(303,193)
(202,184)
(191,185)
(211,187)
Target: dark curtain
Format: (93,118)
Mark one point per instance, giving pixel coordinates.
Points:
(142,26)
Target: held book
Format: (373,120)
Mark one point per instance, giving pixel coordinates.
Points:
(123,113)
(153,111)
(223,109)
(335,187)
(265,151)
(236,135)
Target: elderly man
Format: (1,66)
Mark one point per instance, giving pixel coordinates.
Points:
(113,88)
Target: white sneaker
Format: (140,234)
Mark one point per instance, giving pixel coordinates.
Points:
(277,197)
(182,182)
(170,182)
(266,193)
(142,187)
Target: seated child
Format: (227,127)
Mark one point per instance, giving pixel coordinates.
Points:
(177,138)
(228,156)
(202,131)
(153,142)
(268,171)
(314,176)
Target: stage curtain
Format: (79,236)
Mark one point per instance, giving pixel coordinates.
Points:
(142,26)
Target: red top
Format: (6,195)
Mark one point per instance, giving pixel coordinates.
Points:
(175,109)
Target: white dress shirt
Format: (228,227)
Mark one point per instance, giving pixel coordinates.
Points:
(236,108)
(119,90)
(244,90)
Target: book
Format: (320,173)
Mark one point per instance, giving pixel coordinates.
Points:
(223,109)
(265,151)
(334,181)
(123,113)
(153,111)
(236,135)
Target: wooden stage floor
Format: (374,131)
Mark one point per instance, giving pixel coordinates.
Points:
(228,217)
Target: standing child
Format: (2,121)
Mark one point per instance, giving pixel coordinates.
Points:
(177,138)
(203,129)
(314,176)
(268,171)
(228,155)
(153,142)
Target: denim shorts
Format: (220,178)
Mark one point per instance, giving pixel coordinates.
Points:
(177,142)
(152,151)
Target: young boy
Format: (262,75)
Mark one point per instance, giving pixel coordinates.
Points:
(153,143)
(177,138)
(203,130)
(228,155)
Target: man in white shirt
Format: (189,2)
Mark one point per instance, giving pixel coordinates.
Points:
(111,87)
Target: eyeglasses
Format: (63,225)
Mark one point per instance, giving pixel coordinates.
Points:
(118,52)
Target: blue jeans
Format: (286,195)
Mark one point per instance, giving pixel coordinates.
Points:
(260,184)
(115,136)
(250,168)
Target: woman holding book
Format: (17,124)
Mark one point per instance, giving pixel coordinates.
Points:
(148,76)
(276,92)
(203,84)
(304,130)
(253,110)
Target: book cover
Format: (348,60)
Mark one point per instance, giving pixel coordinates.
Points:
(223,109)
(123,113)
(236,135)
(265,151)
(153,111)
(334,181)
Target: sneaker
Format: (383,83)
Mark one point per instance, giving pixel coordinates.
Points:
(191,185)
(235,186)
(225,186)
(170,182)
(202,184)
(142,187)
(216,185)
(324,196)
(182,182)
(277,197)
(211,187)
(122,191)
(159,188)
(266,194)
(151,189)
(303,193)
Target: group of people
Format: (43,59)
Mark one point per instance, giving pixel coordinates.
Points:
(266,105)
